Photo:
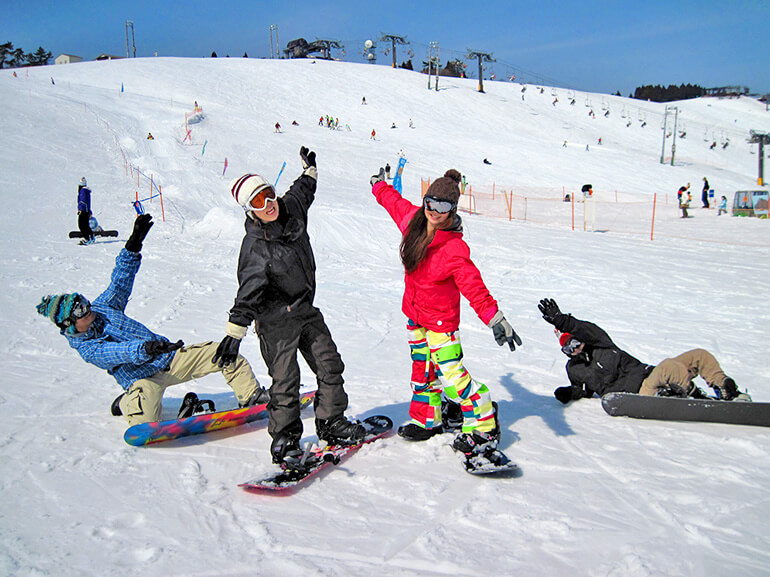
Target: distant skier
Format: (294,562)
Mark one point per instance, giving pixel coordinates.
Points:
(722,206)
(277,127)
(387,171)
(373,135)
(84,212)
(486,161)
(598,365)
(681,192)
(705,194)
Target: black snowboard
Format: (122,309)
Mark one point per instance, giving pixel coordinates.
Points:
(78,234)
(676,409)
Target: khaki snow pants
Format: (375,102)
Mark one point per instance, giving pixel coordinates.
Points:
(680,371)
(142,401)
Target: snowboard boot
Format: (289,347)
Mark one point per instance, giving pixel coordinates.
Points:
(115,408)
(339,431)
(191,405)
(728,391)
(285,448)
(451,416)
(476,441)
(414,432)
(258,397)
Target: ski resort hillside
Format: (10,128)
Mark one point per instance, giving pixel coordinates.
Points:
(596,495)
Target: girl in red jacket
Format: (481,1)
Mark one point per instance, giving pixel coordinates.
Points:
(438,270)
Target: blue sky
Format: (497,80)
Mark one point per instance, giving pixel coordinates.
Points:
(601,46)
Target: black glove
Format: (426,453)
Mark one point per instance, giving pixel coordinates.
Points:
(564,394)
(142,226)
(308,157)
(379,177)
(550,310)
(227,351)
(503,331)
(157,348)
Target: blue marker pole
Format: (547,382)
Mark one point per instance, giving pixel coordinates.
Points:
(279,175)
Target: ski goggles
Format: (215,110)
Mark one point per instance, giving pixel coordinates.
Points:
(438,205)
(259,200)
(571,346)
(80,309)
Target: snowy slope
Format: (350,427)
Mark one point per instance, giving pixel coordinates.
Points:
(597,495)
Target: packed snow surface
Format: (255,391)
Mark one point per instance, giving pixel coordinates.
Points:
(597,496)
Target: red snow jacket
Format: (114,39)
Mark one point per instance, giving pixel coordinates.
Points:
(433,289)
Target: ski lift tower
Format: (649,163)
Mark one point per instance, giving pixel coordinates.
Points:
(130,46)
(483,57)
(277,45)
(394,40)
(761,139)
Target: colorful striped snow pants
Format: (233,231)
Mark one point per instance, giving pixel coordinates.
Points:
(437,355)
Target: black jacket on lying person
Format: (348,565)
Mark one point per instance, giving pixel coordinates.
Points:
(602,367)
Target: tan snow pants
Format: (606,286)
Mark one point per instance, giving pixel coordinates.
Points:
(142,401)
(680,371)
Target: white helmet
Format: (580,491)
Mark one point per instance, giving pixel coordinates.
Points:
(83,181)
(247,187)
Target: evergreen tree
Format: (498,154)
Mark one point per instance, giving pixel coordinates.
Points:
(214,54)
(38,58)
(245,55)
(5,50)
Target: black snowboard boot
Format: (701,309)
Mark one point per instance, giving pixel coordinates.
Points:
(478,441)
(414,432)
(451,416)
(115,408)
(258,397)
(339,431)
(285,447)
(728,391)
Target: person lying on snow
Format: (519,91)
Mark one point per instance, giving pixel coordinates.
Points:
(597,365)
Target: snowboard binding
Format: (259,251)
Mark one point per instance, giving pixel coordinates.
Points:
(192,405)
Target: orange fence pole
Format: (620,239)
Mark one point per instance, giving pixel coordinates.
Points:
(162,212)
(654,201)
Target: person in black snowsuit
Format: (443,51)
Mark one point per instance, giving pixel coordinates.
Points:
(598,365)
(276,278)
(705,194)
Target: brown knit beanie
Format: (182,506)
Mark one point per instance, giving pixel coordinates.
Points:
(446,187)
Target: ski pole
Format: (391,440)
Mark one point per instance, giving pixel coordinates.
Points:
(279,175)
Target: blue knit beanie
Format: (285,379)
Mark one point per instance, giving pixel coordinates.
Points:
(58,308)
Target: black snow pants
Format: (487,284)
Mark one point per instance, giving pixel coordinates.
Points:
(83,224)
(279,342)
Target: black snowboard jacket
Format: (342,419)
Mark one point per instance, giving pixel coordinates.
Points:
(276,266)
(602,367)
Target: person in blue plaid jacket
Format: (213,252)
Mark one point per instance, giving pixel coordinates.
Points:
(143,363)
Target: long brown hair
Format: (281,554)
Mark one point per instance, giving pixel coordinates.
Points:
(415,242)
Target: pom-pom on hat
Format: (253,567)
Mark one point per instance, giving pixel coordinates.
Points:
(564,339)
(58,308)
(247,187)
(447,187)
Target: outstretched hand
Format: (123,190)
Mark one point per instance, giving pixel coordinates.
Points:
(503,331)
(549,309)
(307,156)
(379,177)
(142,226)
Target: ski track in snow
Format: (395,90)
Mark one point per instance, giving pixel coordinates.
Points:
(596,496)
